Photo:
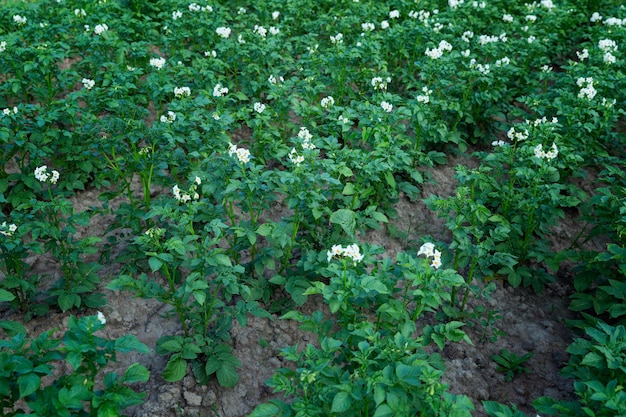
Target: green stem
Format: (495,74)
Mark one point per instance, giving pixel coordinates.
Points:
(470,278)
(177,302)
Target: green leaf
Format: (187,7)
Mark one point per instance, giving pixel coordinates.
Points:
(128,342)
(408,374)
(265,410)
(200,297)
(107,410)
(6,296)
(383,410)
(227,375)
(155,264)
(28,384)
(348,189)
(341,402)
(346,219)
(175,369)
(12,328)
(136,373)
(378,216)
(67,301)
(223,260)
(265,229)
(390,179)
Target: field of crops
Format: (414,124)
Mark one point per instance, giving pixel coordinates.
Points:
(312,208)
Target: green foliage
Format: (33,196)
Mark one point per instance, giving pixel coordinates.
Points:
(495,409)
(510,363)
(371,363)
(223,202)
(598,366)
(28,372)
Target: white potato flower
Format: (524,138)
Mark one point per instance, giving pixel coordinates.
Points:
(88,83)
(224,32)
(259,107)
(327,102)
(100,29)
(157,63)
(182,92)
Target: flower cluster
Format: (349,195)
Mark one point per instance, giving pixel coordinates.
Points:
(327,102)
(587,90)
(7,229)
(614,21)
(424,98)
(182,92)
(219,91)
(306,137)
(337,39)
(368,27)
(486,39)
(455,3)
(498,143)
(157,63)
(259,107)
(582,55)
(518,136)
(436,53)
(185,197)
(224,32)
(546,68)
(482,68)
(343,119)
(3,46)
(541,154)
(295,158)
(171,116)
(467,36)
(351,251)
(100,29)
(502,62)
(379,84)
(273,80)
(7,111)
(154,232)
(388,107)
(88,83)
(42,175)
(540,121)
(260,30)
(428,249)
(20,20)
(608,46)
(80,12)
(177,14)
(608,103)
(422,15)
(242,154)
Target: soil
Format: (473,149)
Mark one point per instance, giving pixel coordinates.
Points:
(528,322)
